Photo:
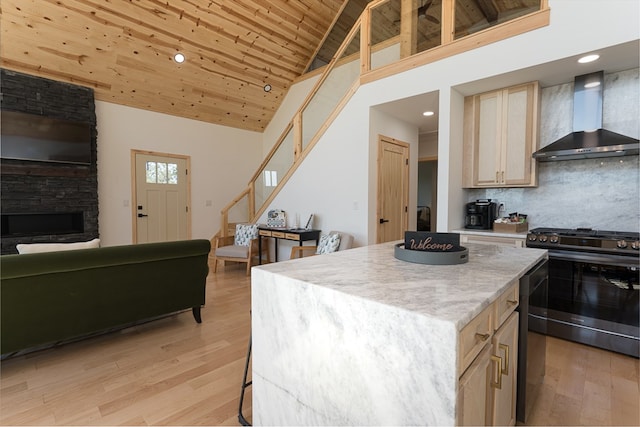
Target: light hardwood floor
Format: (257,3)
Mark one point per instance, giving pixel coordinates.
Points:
(584,386)
(176,372)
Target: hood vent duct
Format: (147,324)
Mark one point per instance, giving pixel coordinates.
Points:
(588,139)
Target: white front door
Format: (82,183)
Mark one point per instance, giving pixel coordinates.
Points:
(161,198)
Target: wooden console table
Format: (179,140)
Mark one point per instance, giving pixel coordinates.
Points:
(295,234)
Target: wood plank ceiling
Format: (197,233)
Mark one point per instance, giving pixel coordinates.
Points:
(124,49)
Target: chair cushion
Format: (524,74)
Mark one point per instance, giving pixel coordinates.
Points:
(346,240)
(328,243)
(235,251)
(245,233)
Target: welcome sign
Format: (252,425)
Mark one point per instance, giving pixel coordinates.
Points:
(432,242)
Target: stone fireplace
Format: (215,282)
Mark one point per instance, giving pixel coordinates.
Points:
(44,202)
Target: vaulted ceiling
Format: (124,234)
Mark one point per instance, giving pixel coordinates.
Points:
(124,50)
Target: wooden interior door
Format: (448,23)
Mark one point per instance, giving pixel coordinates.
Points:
(393,189)
(161,198)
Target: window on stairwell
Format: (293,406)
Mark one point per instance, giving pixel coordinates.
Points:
(270,178)
(162,173)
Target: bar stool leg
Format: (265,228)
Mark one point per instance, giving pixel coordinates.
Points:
(245,384)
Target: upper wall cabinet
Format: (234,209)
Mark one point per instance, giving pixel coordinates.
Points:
(500,135)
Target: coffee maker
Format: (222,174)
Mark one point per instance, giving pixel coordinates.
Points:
(480,214)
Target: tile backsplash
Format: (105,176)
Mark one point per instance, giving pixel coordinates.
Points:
(598,193)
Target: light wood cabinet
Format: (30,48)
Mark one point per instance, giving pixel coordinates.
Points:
(474,337)
(488,348)
(493,240)
(473,389)
(500,136)
(505,349)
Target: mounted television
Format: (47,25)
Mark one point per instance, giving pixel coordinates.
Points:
(33,137)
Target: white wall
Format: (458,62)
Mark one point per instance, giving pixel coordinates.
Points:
(428,145)
(321,186)
(222,162)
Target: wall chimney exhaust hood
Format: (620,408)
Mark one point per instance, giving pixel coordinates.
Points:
(588,139)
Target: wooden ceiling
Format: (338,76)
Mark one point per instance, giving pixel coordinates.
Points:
(124,49)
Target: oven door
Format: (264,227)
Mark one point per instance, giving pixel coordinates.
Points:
(594,299)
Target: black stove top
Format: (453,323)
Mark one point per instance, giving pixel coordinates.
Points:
(585,239)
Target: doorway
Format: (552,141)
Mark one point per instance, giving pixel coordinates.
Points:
(393,189)
(427,194)
(161,197)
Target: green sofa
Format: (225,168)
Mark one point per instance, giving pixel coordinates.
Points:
(55,297)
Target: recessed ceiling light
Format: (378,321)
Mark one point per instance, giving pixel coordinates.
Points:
(428,113)
(267,87)
(588,58)
(179,58)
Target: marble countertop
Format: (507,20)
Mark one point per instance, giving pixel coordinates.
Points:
(522,235)
(450,293)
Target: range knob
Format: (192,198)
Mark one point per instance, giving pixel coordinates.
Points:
(553,239)
(621,244)
(635,245)
(542,238)
(532,237)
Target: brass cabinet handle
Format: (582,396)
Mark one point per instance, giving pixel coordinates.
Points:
(512,302)
(498,176)
(483,337)
(503,177)
(497,384)
(505,348)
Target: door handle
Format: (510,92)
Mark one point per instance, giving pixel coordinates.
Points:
(382,220)
(497,384)
(505,365)
(141,215)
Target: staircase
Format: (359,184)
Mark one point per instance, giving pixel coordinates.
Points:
(387,38)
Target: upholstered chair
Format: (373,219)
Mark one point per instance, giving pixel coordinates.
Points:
(332,242)
(241,247)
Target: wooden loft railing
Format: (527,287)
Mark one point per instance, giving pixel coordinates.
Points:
(388,38)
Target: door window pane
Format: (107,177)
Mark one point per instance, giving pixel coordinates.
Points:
(151,172)
(172,173)
(162,173)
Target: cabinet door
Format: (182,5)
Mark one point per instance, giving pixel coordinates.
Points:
(517,135)
(474,392)
(500,136)
(488,135)
(505,346)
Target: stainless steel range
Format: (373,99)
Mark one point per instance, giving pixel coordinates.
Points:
(593,295)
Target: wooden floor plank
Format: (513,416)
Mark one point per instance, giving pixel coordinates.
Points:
(173,371)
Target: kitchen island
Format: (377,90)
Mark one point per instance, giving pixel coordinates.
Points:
(359,337)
